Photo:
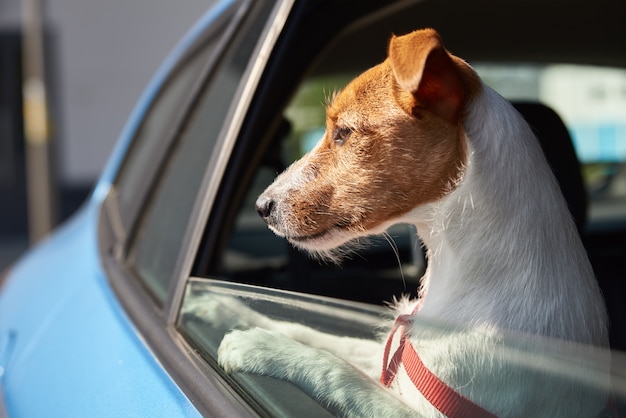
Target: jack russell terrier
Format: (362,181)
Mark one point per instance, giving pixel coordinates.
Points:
(420,139)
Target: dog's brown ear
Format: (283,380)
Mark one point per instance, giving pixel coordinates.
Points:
(423,67)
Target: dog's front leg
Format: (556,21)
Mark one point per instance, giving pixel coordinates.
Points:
(227,312)
(318,373)
(364,354)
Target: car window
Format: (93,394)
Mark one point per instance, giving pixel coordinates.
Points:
(159,123)
(153,137)
(260,275)
(255,255)
(255,274)
(591,100)
(161,230)
(393,264)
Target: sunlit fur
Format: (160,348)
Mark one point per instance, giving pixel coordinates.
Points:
(429,144)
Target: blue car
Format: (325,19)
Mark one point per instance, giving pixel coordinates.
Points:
(105,318)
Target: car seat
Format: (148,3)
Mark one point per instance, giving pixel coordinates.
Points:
(558,148)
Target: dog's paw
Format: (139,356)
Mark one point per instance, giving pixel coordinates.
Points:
(254,350)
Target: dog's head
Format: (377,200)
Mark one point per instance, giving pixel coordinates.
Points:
(394,141)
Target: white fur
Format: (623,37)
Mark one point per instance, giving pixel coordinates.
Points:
(505,261)
(505,234)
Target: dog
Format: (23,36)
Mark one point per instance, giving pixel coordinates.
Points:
(420,139)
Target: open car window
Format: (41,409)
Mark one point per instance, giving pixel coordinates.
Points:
(261,275)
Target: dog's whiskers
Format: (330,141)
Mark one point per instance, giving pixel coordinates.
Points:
(394,247)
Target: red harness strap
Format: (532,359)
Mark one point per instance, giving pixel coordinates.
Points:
(447,400)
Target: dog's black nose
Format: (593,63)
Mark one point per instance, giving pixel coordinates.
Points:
(264,206)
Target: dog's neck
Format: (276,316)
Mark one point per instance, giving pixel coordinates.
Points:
(503,250)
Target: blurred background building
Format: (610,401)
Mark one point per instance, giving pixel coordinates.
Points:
(99,55)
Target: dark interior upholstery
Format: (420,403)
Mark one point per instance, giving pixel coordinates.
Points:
(557,145)
(605,250)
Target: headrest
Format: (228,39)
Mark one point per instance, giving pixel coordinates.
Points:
(559,150)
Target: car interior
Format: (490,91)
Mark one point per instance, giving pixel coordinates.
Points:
(237,245)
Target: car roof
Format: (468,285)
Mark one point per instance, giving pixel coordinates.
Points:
(566,31)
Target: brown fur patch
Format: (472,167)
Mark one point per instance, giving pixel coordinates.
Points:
(387,149)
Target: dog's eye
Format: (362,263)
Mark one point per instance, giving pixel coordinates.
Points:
(341,134)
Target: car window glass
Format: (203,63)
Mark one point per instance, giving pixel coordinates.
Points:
(162,228)
(211,308)
(592,103)
(151,138)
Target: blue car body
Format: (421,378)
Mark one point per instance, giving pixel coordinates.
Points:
(95,363)
(57,296)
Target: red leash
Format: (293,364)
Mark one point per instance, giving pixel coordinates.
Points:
(447,400)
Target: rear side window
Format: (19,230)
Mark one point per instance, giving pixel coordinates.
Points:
(162,227)
(159,123)
(153,136)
